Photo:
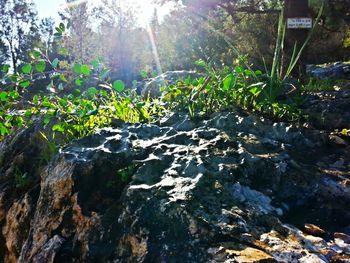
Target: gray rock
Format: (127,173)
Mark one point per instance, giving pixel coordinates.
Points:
(335,71)
(181,191)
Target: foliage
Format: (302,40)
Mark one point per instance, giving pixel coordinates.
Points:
(315,84)
(81,97)
(222,90)
(18,30)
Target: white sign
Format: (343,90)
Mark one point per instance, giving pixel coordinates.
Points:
(301,22)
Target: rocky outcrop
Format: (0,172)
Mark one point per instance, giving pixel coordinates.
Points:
(232,188)
(338,70)
(328,110)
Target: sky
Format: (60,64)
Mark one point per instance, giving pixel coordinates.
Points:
(50,8)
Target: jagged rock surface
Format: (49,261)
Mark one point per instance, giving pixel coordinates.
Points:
(328,109)
(337,70)
(232,188)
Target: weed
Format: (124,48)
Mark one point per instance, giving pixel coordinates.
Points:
(324,85)
(22,180)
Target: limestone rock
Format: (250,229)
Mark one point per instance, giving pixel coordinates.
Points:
(225,189)
(336,70)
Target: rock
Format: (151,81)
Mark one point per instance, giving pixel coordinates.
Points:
(342,236)
(152,87)
(345,247)
(336,139)
(252,255)
(327,109)
(312,259)
(314,230)
(221,189)
(336,70)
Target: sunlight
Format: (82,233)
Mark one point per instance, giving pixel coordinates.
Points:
(144,9)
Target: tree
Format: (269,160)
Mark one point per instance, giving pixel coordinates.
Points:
(17,29)
(78,42)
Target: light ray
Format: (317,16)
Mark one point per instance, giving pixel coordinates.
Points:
(154,49)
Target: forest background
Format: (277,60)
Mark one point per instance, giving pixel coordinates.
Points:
(193,30)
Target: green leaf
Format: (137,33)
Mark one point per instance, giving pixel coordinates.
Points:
(3,130)
(229,82)
(248,72)
(77,68)
(118,85)
(104,93)
(13,78)
(27,68)
(92,91)
(85,69)
(40,66)
(55,62)
(78,82)
(62,27)
(3,96)
(345,132)
(36,99)
(238,69)
(200,62)
(35,54)
(28,114)
(58,128)
(24,83)
(76,92)
(258,73)
(5,68)
(19,121)
(57,35)
(154,74)
(13,94)
(47,120)
(62,51)
(63,102)
(143,74)
(256,88)
(62,77)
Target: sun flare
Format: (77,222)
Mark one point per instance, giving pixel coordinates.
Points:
(144,9)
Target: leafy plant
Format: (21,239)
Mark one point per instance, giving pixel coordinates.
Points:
(80,98)
(223,90)
(278,78)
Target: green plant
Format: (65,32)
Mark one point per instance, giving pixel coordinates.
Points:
(243,86)
(223,90)
(49,151)
(80,98)
(315,84)
(22,180)
(126,173)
